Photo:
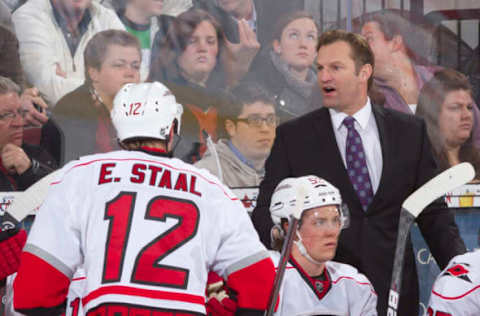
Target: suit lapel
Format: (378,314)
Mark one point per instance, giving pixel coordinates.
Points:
(328,155)
(386,140)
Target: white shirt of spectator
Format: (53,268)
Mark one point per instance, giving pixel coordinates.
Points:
(366,126)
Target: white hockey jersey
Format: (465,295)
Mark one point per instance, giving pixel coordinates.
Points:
(343,291)
(75,291)
(456,291)
(146,229)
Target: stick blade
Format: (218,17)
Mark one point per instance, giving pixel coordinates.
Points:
(446,181)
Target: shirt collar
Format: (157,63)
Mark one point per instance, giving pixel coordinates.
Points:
(240,155)
(362,116)
(82,25)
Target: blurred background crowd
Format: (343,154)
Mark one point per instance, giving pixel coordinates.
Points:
(239,68)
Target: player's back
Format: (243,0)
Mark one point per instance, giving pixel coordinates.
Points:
(148,230)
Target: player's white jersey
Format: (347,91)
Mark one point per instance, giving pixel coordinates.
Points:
(457,288)
(147,230)
(343,291)
(75,294)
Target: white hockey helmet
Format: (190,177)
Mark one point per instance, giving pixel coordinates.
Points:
(319,192)
(145,110)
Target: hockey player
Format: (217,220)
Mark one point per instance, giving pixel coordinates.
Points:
(146,228)
(457,288)
(312,284)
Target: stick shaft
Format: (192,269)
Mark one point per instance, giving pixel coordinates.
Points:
(404,225)
(282,264)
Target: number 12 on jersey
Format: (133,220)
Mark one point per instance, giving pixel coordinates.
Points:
(147,268)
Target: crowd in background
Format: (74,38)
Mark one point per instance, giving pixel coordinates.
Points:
(240,68)
(78,55)
(217,57)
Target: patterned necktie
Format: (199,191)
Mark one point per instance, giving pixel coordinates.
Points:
(357,164)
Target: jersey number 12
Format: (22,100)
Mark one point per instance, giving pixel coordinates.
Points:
(147,269)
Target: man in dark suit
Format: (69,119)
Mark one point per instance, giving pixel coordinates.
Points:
(376,157)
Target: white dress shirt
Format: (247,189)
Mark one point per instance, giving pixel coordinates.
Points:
(366,126)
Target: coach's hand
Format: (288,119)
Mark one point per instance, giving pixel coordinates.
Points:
(11,244)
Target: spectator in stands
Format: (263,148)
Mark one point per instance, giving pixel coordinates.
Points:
(246,24)
(21,164)
(286,69)
(176,7)
(250,125)
(446,104)
(186,60)
(259,15)
(140,18)
(10,66)
(5,16)
(112,59)
(397,77)
(52,37)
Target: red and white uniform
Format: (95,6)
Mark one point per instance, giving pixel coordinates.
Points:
(342,291)
(146,230)
(456,290)
(75,291)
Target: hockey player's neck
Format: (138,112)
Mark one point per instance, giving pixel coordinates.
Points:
(312,269)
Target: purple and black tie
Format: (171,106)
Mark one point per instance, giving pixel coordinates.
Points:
(357,164)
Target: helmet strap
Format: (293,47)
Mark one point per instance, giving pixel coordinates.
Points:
(303,250)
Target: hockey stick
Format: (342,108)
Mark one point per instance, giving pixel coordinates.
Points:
(213,151)
(446,181)
(28,200)
(301,192)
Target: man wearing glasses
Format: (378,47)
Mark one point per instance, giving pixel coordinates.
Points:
(249,125)
(21,165)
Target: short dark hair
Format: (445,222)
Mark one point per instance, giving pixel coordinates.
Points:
(244,94)
(168,47)
(360,51)
(96,49)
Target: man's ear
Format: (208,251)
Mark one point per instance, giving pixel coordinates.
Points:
(230,128)
(366,72)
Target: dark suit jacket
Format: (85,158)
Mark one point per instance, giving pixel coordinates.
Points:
(307,145)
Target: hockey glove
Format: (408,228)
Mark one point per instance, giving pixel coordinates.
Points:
(11,244)
(219,302)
